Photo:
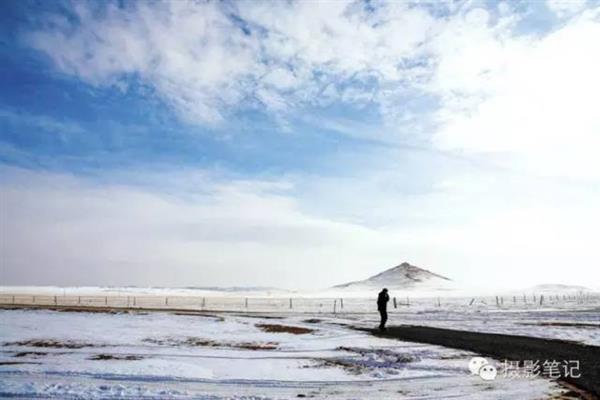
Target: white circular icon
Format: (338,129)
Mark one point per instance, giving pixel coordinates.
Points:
(476,363)
(488,372)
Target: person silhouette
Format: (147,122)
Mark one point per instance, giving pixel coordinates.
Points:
(382,301)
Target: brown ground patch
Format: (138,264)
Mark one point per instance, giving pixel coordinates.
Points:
(312,321)
(101,357)
(52,343)
(17,362)
(96,310)
(260,316)
(275,328)
(199,314)
(30,353)
(347,366)
(201,342)
(105,309)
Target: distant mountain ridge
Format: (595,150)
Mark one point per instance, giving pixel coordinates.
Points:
(402,276)
(553,287)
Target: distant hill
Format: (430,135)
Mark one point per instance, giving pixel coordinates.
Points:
(557,287)
(403,276)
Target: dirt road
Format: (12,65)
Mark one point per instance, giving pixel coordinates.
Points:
(511,347)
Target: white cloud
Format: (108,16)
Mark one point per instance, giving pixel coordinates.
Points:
(281,78)
(532,98)
(564,8)
(523,101)
(202,61)
(59,229)
(526,96)
(202,229)
(190,53)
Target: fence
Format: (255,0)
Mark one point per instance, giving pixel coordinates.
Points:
(303,304)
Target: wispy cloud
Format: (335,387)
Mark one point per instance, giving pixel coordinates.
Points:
(200,228)
(490,88)
(530,97)
(41,122)
(425,132)
(212,232)
(205,58)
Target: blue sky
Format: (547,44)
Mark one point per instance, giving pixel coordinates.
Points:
(259,142)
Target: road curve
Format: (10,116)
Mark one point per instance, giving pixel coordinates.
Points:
(511,347)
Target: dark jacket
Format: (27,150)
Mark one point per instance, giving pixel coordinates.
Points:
(382,301)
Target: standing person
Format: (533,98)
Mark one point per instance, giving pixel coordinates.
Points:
(382,301)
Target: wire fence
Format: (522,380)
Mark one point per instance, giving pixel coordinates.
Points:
(303,304)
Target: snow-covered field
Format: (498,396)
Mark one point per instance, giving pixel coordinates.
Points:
(211,343)
(154,355)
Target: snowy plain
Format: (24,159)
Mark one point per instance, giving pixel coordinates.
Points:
(570,314)
(264,343)
(159,355)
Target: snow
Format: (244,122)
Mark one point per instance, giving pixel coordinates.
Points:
(332,361)
(429,287)
(401,277)
(141,291)
(581,325)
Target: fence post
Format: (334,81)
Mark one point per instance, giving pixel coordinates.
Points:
(166,301)
(203,302)
(524,298)
(515,299)
(105,300)
(395,304)
(134,301)
(33,300)
(541,299)
(13,299)
(439,302)
(472,301)
(334,305)
(291,304)
(55,302)
(246,303)
(407,301)
(341,304)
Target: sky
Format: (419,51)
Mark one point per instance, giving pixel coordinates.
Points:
(298,144)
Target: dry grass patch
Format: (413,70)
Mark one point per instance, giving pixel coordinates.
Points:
(18,362)
(201,342)
(52,343)
(30,353)
(276,328)
(121,357)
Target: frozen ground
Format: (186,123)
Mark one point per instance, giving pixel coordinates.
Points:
(449,290)
(577,324)
(155,355)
